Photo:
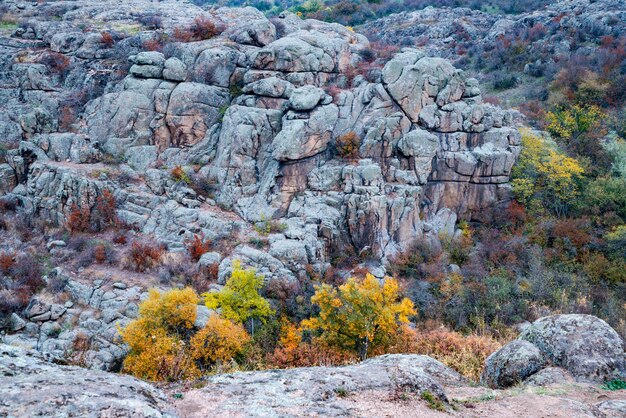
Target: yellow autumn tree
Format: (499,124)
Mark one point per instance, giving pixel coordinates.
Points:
(157,338)
(362,315)
(220,341)
(545,177)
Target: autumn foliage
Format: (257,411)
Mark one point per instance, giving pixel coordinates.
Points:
(144,256)
(164,345)
(220,341)
(197,246)
(361,315)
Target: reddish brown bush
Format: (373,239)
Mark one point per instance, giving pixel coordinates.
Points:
(104,214)
(107,39)
(201,29)
(144,256)
(6,262)
(100,254)
(153,45)
(57,62)
(120,238)
(197,246)
(78,219)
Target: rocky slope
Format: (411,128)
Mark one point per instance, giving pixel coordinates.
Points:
(506,51)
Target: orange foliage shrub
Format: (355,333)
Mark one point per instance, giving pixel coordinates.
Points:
(348,145)
(219,342)
(145,256)
(293,352)
(465,354)
(157,348)
(197,246)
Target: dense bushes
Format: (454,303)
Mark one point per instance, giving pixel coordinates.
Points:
(240,300)
(163,345)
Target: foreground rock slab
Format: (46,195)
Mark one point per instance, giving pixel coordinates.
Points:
(319,391)
(30,386)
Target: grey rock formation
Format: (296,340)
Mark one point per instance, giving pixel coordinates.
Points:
(319,390)
(512,364)
(31,386)
(255,116)
(584,345)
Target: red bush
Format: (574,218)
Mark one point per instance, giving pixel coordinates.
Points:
(55,61)
(6,262)
(145,256)
(120,238)
(201,29)
(107,39)
(103,214)
(197,246)
(100,254)
(153,44)
(78,219)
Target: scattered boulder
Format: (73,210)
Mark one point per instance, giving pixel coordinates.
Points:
(550,376)
(512,364)
(584,345)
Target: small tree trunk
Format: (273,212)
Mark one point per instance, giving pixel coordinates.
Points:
(365,348)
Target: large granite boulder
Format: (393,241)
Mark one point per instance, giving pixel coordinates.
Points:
(583,344)
(31,386)
(512,364)
(586,347)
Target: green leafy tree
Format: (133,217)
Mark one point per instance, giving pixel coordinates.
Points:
(361,315)
(240,300)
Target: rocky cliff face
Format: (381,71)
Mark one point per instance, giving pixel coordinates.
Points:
(258,110)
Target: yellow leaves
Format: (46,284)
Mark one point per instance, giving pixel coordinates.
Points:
(171,310)
(162,347)
(360,315)
(219,341)
(569,123)
(545,174)
(157,351)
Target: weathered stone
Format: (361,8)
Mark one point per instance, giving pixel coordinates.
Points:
(512,364)
(318,390)
(305,97)
(584,345)
(71,390)
(175,70)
